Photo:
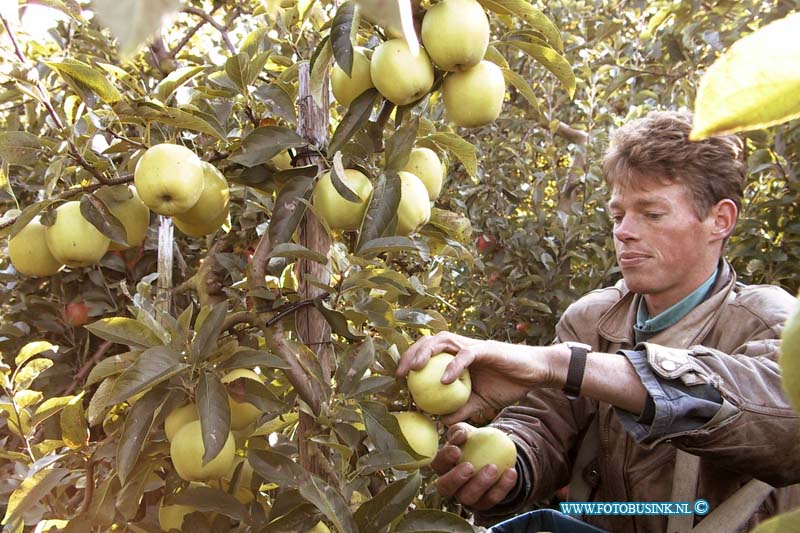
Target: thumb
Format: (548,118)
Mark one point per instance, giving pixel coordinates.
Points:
(473,407)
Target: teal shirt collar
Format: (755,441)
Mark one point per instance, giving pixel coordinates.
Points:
(647,327)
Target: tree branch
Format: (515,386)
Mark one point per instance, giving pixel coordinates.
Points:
(223,30)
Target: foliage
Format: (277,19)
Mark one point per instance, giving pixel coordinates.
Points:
(82,409)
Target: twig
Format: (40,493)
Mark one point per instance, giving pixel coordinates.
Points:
(87,366)
(77,156)
(87,495)
(223,30)
(123,138)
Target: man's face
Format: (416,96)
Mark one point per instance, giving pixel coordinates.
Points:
(663,249)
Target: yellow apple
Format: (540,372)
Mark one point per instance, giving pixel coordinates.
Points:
(332,206)
(426,165)
(456,34)
(789,358)
(420,432)
(489,446)
(414,210)
(242,413)
(282,161)
(178,418)
(169,178)
(348,88)
(211,210)
(171,516)
(29,253)
(243,494)
(125,204)
(187,449)
(73,240)
(474,97)
(398,75)
(431,395)
(320,527)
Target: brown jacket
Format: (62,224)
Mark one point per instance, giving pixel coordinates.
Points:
(729,341)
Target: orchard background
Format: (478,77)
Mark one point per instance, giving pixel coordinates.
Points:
(95,358)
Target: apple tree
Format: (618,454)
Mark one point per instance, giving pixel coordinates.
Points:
(213,267)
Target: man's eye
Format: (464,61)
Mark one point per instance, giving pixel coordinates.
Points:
(654,216)
(616,219)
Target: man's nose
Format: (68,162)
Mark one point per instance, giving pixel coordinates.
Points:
(624,229)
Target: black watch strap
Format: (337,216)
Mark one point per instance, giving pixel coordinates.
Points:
(577,366)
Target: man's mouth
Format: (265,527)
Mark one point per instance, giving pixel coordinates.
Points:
(628,259)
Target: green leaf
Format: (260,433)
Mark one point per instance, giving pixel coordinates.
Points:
(384,430)
(86,77)
(130,495)
(48,408)
(453,224)
(133,23)
(340,36)
(461,149)
(388,244)
(186,118)
(350,371)
(123,330)
(278,101)
(378,460)
(754,84)
(110,366)
(338,321)
(215,414)
(31,491)
(400,144)
(137,427)
(19,147)
(209,500)
(381,510)
(74,431)
(151,368)
(432,521)
(356,117)
(330,502)
(205,342)
(101,217)
(176,78)
(337,180)
(524,10)
(290,206)
(98,405)
(262,144)
(25,376)
(24,218)
(277,468)
(382,209)
(552,60)
(522,86)
(236,67)
(320,64)
(31,350)
(371,385)
(253,358)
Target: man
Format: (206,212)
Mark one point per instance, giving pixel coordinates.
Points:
(679,396)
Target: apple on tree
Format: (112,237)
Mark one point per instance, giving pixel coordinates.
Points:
(178,418)
(400,76)
(338,212)
(489,446)
(348,88)
(169,178)
(456,34)
(433,396)
(426,165)
(420,432)
(414,209)
(73,240)
(29,252)
(211,209)
(125,204)
(242,413)
(187,449)
(475,96)
(76,314)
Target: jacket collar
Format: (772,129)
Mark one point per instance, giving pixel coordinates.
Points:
(616,324)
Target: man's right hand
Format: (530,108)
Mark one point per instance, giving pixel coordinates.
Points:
(477,490)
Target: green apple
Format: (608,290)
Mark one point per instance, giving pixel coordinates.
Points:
(171,516)
(474,97)
(73,240)
(187,449)
(456,34)
(211,209)
(242,413)
(398,75)
(414,210)
(420,432)
(125,204)
(243,493)
(431,395)
(338,212)
(178,418)
(282,161)
(789,358)
(348,88)
(169,178)
(489,446)
(29,252)
(426,165)
(320,527)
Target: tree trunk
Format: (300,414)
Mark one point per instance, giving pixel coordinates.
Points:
(166,241)
(311,327)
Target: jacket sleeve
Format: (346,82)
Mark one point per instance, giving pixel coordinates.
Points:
(756,430)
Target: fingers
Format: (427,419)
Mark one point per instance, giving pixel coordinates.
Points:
(420,352)
(457,434)
(450,483)
(497,492)
(463,359)
(469,410)
(480,490)
(446,459)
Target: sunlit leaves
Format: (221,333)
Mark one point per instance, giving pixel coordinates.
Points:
(132,23)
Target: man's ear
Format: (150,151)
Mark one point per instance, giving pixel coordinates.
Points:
(723,217)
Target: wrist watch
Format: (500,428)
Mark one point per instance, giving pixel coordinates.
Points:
(577,365)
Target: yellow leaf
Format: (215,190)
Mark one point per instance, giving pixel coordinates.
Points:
(32,349)
(25,398)
(754,84)
(74,430)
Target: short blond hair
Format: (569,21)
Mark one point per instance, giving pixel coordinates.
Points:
(657,147)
